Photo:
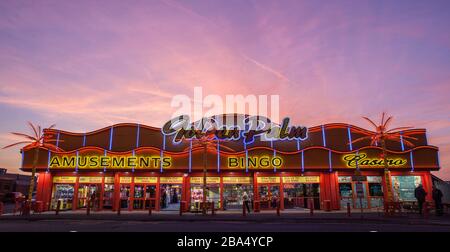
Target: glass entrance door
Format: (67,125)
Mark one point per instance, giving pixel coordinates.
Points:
(360,195)
(86,192)
(170,196)
(143,195)
(268,196)
(124,196)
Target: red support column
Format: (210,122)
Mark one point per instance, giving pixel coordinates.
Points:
(130,204)
(427,185)
(386,184)
(102,192)
(75,195)
(116,197)
(334,190)
(281,198)
(158,195)
(221,192)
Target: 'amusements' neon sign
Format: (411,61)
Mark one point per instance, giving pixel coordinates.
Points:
(114,162)
(361,160)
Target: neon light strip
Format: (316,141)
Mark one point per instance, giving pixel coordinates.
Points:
(132,168)
(162,153)
(329,161)
(57,139)
(111,137)
(76,166)
(84,140)
(438,162)
(190,156)
(104,168)
(412,161)
(303,162)
(48,161)
(274,154)
(298,144)
(323,137)
(246,154)
(401,141)
(350,144)
(218,156)
(23,154)
(137,135)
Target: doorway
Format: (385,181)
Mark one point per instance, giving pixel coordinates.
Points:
(86,192)
(268,196)
(170,196)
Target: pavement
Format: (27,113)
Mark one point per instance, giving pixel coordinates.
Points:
(267,216)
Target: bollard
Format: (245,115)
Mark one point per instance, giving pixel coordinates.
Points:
(1,208)
(278,208)
(181,208)
(58,206)
(243,209)
(348,209)
(118,209)
(212,208)
(88,208)
(311,207)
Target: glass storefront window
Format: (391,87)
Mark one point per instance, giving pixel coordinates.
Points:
(232,195)
(404,186)
(212,195)
(297,195)
(346,193)
(87,192)
(64,194)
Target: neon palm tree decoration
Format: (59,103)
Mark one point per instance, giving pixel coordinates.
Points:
(381,134)
(208,142)
(37,140)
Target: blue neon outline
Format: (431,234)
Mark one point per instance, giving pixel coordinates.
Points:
(324,137)
(303,162)
(274,154)
(438,162)
(76,163)
(329,161)
(84,139)
(48,161)
(111,137)
(401,141)
(349,133)
(412,160)
(57,138)
(23,156)
(162,153)
(132,168)
(105,153)
(138,134)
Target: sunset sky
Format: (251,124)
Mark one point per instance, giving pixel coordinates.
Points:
(85,65)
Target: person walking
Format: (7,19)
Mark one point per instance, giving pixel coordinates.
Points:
(246,200)
(420,195)
(437,197)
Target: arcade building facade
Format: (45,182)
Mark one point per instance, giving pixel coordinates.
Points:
(134,167)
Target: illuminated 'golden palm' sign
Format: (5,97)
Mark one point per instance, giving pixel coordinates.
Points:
(361,160)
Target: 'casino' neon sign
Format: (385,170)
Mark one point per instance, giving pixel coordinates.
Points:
(361,160)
